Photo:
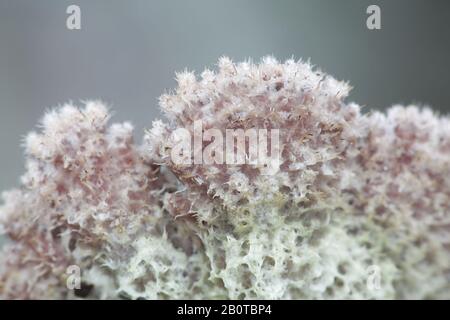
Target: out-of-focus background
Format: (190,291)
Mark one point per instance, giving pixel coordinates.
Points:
(128,51)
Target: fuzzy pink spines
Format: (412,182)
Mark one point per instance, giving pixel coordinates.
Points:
(306,106)
(403,185)
(81,167)
(86,189)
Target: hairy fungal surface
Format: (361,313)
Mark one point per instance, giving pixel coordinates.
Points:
(358,208)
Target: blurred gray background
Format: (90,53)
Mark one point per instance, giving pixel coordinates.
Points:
(127,52)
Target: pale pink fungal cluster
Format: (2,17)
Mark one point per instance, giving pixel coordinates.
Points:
(359,208)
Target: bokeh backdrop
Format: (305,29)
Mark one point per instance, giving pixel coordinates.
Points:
(128,51)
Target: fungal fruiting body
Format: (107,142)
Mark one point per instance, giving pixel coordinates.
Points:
(359,206)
